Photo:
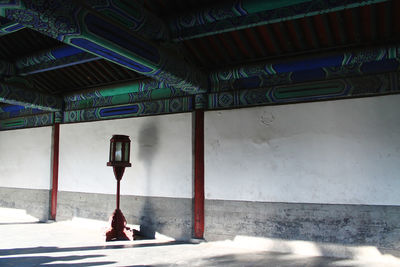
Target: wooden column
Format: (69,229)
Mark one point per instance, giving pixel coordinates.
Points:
(54,189)
(199,175)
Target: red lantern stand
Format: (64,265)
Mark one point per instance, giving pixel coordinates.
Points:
(119,159)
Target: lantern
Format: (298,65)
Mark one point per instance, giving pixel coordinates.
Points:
(119,151)
(119,159)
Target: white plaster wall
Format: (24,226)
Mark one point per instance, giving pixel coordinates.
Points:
(345,151)
(161,156)
(25,158)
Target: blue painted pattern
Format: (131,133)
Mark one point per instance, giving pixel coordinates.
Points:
(123,110)
(109,54)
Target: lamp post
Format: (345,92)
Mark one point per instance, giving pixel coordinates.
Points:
(119,159)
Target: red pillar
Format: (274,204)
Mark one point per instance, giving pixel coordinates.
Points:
(199,175)
(54,189)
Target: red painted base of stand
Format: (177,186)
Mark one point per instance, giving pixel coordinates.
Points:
(118,230)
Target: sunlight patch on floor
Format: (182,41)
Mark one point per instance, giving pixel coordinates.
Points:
(9,215)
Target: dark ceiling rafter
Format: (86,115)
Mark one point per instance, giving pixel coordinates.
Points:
(255,41)
(269,39)
(297,34)
(14,95)
(388,19)
(337,30)
(246,43)
(101,72)
(109,70)
(42,85)
(220,52)
(395,16)
(24,43)
(102,77)
(237,15)
(355,16)
(310,29)
(319,33)
(283,31)
(365,15)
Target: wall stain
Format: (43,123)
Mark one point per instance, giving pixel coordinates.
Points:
(267,118)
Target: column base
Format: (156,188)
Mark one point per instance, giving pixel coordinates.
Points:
(118,229)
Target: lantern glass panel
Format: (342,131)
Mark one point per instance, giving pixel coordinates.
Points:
(118,151)
(126,156)
(111,151)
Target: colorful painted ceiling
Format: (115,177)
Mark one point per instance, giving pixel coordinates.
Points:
(76,61)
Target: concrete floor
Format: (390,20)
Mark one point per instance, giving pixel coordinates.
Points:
(25,242)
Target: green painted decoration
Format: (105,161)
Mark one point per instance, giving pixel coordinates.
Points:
(27,122)
(126,93)
(120,89)
(127,98)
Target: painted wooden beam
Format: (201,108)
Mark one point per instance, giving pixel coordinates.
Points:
(75,24)
(98,102)
(13,111)
(312,68)
(366,85)
(125,93)
(243,14)
(20,96)
(40,120)
(142,86)
(51,59)
(145,108)
(332,89)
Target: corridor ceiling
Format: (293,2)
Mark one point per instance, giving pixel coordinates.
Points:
(69,61)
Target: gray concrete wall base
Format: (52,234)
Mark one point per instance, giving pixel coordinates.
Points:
(36,202)
(347,225)
(168,216)
(364,225)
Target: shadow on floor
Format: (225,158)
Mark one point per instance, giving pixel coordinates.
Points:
(46,261)
(264,259)
(269,259)
(36,250)
(17,223)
